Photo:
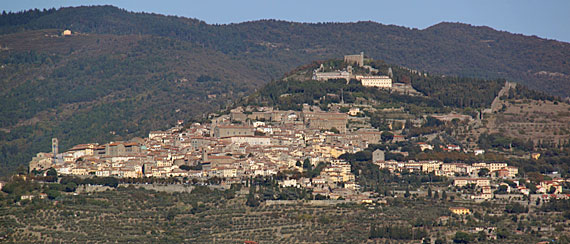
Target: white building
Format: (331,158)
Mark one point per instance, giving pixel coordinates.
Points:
(324,76)
(252,140)
(375,81)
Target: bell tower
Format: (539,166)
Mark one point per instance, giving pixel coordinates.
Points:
(54,147)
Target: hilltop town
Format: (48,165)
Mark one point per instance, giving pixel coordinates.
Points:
(259,141)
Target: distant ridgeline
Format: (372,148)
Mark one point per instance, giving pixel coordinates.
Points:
(445,48)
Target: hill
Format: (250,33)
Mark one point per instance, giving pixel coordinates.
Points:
(445,48)
(122,74)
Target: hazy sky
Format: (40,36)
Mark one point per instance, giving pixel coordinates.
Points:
(544,18)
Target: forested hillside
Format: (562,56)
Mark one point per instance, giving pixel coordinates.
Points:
(122,74)
(101,87)
(446,48)
(439,91)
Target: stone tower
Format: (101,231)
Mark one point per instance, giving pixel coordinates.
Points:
(204,155)
(54,147)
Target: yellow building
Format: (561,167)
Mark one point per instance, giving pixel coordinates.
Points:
(480,182)
(460,210)
(66,33)
(375,81)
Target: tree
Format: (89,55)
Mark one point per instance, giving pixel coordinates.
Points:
(462,237)
(566,214)
(252,200)
(307,164)
(535,177)
(22,170)
(502,189)
(51,172)
(53,194)
(429,192)
(407,193)
(378,122)
(185,167)
(483,172)
(51,175)
(436,195)
(552,190)
(481,236)
(516,208)
(444,196)
(387,136)
(502,233)
(70,187)
(334,130)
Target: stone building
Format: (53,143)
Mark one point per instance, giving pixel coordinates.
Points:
(378,155)
(324,76)
(326,121)
(375,81)
(41,161)
(122,148)
(232,130)
(357,59)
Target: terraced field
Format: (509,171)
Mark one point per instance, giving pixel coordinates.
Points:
(213,216)
(203,216)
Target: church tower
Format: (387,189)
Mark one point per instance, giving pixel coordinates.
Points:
(54,147)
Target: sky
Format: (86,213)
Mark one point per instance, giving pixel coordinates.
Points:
(544,18)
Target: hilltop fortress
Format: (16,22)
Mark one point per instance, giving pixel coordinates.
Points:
(372,80)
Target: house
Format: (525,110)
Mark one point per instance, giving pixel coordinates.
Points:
(353,111)
(424,146)
(524,190)
(288,183)
(452,147)
(513,171)
(378,155)
(27,197)
(502,173)
(460,210)
(478,152)
(547,185)
(66,33)
(480,182)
